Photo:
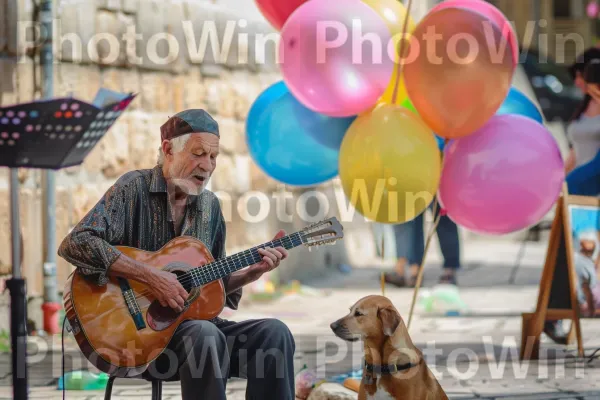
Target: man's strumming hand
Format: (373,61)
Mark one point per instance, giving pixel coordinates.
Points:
(165,287)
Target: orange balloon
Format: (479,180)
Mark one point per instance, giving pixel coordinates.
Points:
(455,73)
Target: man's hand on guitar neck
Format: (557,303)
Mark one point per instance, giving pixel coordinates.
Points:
(271,257)
(163,285)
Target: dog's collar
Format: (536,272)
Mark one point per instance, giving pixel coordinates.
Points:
(388,369)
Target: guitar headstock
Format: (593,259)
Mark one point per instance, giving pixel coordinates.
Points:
(324,232)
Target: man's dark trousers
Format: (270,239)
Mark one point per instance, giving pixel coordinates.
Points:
(204,354)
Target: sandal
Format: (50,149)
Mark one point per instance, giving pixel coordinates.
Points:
(448,279)
(395,279)
(413,281)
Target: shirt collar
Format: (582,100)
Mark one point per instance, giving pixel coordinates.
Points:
(158,183)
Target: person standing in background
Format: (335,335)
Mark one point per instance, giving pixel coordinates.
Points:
(410,247)
(583,162)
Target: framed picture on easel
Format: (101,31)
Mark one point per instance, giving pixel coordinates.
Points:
(569,281)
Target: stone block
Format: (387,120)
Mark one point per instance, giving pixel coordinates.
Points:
(162,40)
(8,71)
(233,140)
(144,138)
(109,48)
(27,75)
(259,180)
(3,27)
(130,6)
(79,80)
(194,90)
(221,96)
(174,27)
(179,83)
(232,175)
(201,32)
(76,27)
(157,91)
(110,157)
(130,82)
(31,231)
(112,5)
(18,17)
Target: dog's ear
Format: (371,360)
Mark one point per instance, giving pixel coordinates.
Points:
(390,319)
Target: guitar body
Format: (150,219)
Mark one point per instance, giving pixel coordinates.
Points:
(120,327)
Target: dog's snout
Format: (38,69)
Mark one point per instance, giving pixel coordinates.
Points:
(335,325)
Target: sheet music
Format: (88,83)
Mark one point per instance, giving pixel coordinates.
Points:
(105,97)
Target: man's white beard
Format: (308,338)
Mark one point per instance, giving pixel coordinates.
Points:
(188,187)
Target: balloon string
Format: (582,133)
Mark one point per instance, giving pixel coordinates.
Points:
(401,62)
(383,258)
(429,237)
(422,268)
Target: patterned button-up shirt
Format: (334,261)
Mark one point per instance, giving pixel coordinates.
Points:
(136,212)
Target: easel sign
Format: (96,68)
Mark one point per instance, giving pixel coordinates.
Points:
(576,228)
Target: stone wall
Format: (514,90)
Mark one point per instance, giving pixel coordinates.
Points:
(92,52)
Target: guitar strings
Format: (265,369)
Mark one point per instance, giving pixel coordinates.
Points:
(198,272)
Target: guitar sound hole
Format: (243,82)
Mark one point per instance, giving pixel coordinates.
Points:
(160,317)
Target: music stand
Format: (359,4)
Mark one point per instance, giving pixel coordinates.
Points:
(50,134)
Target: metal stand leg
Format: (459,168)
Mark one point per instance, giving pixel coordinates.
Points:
(18,299)
(18,328)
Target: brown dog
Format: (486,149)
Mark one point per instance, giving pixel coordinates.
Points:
(394,368)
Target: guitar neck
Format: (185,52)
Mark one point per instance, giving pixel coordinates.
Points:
(221,268)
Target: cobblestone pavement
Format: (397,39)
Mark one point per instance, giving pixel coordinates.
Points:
(474,355)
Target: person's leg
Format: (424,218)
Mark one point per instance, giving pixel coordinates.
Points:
(262,351)
(198,354)
(404,235)
(447,233)
(418,248)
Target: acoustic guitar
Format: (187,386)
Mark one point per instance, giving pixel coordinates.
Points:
(121,328)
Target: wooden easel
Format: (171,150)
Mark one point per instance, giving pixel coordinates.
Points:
(557,299)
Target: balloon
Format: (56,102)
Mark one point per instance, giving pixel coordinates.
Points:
(286,140)
(592,9)
(503,178)
(408,105)
(518,103)
(393,13)
(323,62)
(388,96)
(277,12)
(457,83)
(390,165)
(493,14)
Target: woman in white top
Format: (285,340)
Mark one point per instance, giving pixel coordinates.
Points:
(583,164)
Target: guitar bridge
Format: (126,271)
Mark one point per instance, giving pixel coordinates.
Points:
(132,305)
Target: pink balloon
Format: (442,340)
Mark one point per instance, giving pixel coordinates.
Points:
(592,9)
(492,13)
(328,60)
(503,178)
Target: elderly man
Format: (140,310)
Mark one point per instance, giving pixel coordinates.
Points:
(147,208)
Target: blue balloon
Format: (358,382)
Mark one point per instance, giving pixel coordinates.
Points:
(441,142)
(517,103)
(291,143)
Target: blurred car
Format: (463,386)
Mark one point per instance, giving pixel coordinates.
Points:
(552,85)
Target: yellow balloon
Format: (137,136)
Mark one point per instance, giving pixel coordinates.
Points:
(393,12)
(388,96)
(390,165)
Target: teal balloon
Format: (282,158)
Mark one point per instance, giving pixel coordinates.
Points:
(291,143)
(517,103)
